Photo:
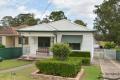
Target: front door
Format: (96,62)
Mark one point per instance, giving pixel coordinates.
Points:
(43,42)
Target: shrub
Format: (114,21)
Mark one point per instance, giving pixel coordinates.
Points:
(109,45)
(79,54)
(84,55)
(2,46)
(67,68)
(85,61)
(60,51)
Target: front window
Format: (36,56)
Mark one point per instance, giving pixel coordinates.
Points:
(74,41)
(75,46)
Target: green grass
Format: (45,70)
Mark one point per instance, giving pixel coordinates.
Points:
(24,74)
(7,64)
(91,72)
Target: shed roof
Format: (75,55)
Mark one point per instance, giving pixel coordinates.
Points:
(61,25)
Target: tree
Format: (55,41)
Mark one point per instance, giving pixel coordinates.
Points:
(45,20)
(57,15)
(80,22)
(107,21)
(21,19)
(7,20)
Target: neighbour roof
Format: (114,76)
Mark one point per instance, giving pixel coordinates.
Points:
(8,31)
(61,25)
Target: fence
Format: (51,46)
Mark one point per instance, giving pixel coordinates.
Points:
(105,53)
(26,50)
(10,53)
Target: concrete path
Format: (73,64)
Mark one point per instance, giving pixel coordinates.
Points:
(110,69)
(16,68)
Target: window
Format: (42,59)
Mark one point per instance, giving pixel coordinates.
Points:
(75,46)
(24,40)
(74,41)
(0,40)
(43,42)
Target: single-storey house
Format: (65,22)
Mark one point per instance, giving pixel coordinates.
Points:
(8,36)
(43,36)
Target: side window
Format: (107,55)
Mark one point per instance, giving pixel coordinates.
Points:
(24,40)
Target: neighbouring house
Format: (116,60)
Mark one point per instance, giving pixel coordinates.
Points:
(9,37)
(43,36)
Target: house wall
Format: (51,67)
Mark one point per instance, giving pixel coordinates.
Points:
(4,40)
(10,41)
(87,42)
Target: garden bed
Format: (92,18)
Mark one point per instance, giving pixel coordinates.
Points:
(52,77)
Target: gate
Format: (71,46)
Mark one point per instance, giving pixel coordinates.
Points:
(105,54)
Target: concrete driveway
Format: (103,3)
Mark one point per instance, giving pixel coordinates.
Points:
(110,69)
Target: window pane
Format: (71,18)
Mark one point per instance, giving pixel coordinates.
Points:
(24,40)
(75,46)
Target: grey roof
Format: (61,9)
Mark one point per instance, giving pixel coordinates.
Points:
(61,25)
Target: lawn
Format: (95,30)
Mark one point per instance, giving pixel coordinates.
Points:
(7,64)
(24,74)
(91,72)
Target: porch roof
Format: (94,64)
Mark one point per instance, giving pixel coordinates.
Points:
(61,25)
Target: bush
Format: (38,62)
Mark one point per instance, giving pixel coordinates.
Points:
(109,45)
(1,59)
(85,61)
(79,54)
(67,68)
(2,46)
(60,51)
(84,55)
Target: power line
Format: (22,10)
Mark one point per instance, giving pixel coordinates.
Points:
(49,4)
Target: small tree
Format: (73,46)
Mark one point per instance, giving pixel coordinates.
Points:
(61,51)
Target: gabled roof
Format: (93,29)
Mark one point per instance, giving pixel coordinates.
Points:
(8,31)
(61,25)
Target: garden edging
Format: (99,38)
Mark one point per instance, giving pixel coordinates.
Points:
(51,77)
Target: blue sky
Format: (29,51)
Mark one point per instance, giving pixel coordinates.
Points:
(74,9)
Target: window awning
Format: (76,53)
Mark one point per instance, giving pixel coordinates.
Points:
(72,38)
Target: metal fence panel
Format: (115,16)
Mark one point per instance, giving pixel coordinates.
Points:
(10,53)
(105,53)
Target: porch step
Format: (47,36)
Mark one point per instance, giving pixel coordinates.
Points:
(42,55)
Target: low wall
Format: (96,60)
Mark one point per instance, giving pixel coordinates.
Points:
(10,53)
(51,77)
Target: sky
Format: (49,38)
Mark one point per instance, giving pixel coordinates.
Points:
(73,9)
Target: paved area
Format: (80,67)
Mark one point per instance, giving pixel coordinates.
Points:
(16,69)
(110,69)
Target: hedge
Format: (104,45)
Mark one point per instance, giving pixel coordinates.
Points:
(80,54)
(67,68)
(85,56)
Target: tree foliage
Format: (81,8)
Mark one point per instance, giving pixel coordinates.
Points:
(57,15)
(107,21)
(21,19)
(80,22)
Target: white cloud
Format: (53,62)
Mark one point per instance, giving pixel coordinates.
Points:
(15,7)
(80,9)
(3,2)
(38,14)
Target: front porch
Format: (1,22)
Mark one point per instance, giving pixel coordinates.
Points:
(39,46)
